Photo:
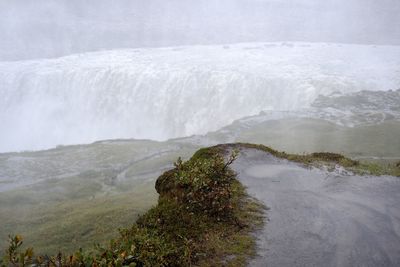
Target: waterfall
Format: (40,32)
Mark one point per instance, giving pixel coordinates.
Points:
(163,93)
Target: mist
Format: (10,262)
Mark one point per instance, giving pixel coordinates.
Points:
(31,29)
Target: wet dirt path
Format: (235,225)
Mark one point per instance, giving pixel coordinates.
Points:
(320,218)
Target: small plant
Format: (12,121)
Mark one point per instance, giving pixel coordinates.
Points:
(13,256)
(204,185)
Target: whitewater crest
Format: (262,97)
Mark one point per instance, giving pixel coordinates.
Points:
(172,92)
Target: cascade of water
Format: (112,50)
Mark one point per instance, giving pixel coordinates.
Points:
(170,92)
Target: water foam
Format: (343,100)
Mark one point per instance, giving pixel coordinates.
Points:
(171,92)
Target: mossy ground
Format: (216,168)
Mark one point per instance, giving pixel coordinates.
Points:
(69,225)
(330,160)
(176,232)
(74,200)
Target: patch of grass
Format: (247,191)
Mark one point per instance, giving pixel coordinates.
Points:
(66,226)
(378,168)
(209,152)
(58,213)
(203,218)
(319,159)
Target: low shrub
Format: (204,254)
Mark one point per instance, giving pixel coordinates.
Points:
(202,184)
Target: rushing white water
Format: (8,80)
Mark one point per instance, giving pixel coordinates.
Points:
(170,92)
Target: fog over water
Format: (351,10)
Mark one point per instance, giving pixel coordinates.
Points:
(42,28)
(75,72)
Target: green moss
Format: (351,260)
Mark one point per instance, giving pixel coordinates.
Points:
(378,168)
(203,218)
(209,152)
(330,160)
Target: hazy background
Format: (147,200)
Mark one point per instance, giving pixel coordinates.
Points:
(42,28)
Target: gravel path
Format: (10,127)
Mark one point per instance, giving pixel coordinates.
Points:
(320,218)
